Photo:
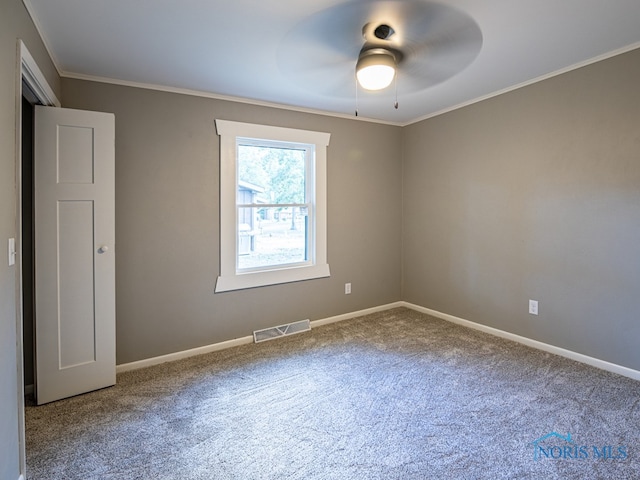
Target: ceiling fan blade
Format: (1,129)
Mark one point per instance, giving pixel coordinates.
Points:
(335,79)
(335,31)
(435,42)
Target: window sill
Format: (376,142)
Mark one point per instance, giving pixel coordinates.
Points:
(274,277)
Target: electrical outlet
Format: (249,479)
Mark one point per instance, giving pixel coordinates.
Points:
(347,289)
(533,307)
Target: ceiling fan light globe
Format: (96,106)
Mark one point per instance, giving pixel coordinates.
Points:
(376,71)
(376,77)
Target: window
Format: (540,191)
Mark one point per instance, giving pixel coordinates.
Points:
(272,205)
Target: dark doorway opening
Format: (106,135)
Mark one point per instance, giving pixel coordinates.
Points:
(29,100)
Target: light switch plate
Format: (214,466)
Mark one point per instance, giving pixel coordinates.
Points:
(12,251)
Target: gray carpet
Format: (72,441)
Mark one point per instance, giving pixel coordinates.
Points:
(393,395)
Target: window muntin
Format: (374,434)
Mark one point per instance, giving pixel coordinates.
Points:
(247,197)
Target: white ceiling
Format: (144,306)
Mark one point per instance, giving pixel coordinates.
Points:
(302,54)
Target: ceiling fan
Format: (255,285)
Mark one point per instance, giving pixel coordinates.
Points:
(378,59)
(418,43)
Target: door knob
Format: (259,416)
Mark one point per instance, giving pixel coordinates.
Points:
(103,249)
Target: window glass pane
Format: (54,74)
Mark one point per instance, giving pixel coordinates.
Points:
(270,174)
(271,236)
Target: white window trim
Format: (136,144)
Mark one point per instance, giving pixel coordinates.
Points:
(230,280)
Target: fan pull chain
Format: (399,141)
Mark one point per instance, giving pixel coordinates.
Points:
(356,94)
(395,105)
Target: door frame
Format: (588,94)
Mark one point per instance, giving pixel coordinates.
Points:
(27,69)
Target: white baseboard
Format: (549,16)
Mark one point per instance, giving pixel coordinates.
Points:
(579,357)
(170,357)
(359,313)
(148,362)
(21,477)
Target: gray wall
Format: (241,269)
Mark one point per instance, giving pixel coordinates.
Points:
(534,194)
(167,215)
(14,23)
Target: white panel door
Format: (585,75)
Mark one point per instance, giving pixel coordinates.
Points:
(74,252)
